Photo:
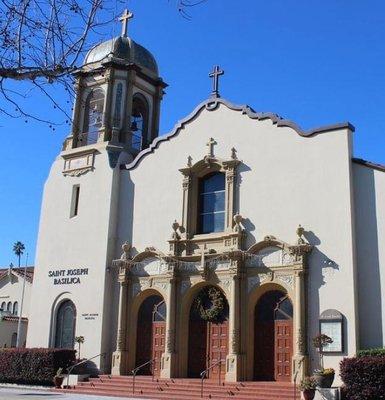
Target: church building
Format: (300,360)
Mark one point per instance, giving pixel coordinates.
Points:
(227,244)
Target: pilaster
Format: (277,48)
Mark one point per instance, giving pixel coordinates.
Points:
(233,359)
(169,356)
(119,357)
(300,359)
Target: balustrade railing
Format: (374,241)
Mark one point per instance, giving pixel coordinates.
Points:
(203,374)
(136,369)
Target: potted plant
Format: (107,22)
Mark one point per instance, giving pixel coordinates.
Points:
(323,376)
(58,378)
(308,387)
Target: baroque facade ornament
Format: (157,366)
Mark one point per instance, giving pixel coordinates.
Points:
(288,280)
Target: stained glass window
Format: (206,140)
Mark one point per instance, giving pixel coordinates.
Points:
(212,203)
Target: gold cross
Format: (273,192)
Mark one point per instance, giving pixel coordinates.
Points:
(127,15)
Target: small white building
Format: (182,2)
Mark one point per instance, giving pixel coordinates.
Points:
(281,229)
(11,288)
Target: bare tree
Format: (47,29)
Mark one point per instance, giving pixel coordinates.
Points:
(42,42)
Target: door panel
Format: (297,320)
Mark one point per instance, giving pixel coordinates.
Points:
(264,351)
(197,361)
(158,344)
(218,339)
(283,349)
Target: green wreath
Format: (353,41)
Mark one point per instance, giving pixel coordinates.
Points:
(215,299)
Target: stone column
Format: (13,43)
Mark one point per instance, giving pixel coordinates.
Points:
(233,359)
(119,357)
(105,131)
(300,358)
(168,357)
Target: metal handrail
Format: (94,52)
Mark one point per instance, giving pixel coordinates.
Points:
(135,370)
(203,374)
(79,363)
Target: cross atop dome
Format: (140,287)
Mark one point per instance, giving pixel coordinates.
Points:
(127,15)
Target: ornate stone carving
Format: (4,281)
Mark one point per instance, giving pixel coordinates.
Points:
(300,231)
(268,276)
(170,340)
(301,343)
(288,280)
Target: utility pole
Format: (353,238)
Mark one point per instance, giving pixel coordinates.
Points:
(21,304)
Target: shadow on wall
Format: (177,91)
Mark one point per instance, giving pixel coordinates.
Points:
(321,268)
(368,263)
(125,211)
(247,224)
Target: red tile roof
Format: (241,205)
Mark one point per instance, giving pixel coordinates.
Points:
(14,318)
(19,272)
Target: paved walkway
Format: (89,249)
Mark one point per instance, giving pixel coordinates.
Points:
(38,394)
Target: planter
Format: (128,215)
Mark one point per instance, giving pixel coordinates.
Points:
(324,381)
(308,394)
(58,381)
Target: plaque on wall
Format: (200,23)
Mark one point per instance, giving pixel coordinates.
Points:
(331,324)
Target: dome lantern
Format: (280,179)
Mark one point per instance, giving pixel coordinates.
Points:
(118,87)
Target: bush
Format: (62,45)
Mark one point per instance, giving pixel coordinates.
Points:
(364,377)
(371,352)
(33,366)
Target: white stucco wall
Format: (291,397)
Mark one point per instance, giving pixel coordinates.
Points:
(370,226)
(11,290)
(7,329)
(284,180)
(80,242)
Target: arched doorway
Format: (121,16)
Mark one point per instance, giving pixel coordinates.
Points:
(65,325)
(273,327)
(151,334)
(208,333)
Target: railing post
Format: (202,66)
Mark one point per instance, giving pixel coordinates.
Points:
(133,383)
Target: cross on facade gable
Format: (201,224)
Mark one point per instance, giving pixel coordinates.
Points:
(127,15)
(215,74)
(210,144)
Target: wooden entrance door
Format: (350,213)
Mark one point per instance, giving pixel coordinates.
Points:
(151,332)
(273,346)
(158,335)
(283,340)
(208,341)
(217,348)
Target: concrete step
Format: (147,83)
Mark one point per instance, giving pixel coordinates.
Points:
(185,389)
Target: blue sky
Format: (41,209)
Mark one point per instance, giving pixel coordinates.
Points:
(315,62)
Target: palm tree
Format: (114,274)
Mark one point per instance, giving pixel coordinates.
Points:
(18,249)
(79,340)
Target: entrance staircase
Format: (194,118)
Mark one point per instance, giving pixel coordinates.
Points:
(184,389)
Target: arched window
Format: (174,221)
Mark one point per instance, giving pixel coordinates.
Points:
(14,339)
(212,203)
(139,122)
(93,116)
(9,306)
(3,306)
(65,325)
(15,308)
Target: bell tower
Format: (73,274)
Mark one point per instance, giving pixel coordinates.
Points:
(118,95)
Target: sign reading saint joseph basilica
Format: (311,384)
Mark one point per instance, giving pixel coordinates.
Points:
(226,239)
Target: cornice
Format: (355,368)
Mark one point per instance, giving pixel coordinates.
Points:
(369,164)
(213,103)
